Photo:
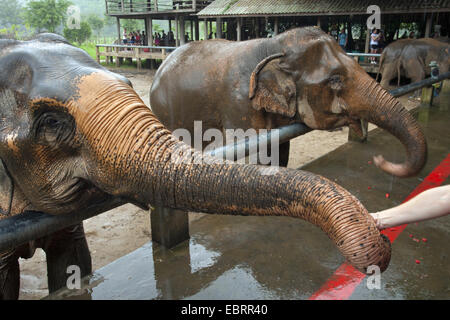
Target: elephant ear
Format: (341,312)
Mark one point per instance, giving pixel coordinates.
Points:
(272,88)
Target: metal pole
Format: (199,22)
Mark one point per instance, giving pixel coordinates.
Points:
(285,134)
(32,225)
(417,85)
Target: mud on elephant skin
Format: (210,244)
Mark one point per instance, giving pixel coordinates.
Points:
(298,76)
(73,134)
(411,58)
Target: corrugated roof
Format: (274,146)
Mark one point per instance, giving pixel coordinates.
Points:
(312,7)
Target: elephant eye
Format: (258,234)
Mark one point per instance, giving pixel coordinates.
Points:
(55,129)
(336,82)
(51,123)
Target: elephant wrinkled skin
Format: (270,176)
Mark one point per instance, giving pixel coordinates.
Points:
(298,76)
(411,58)
(73,134)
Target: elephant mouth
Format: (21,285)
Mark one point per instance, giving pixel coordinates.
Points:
(78,192)
(358,127)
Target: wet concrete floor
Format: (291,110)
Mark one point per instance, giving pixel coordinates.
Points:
(229,257)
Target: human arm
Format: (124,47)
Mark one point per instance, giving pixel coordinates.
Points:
(429,204)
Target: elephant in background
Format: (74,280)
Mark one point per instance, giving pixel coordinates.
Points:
(299,76)
(411,58)
(75,135)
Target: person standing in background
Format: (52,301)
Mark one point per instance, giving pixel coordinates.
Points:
(343,39)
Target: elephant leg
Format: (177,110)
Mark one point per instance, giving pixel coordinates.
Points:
(390,72)
(9,275)
(284,154)
(65,248)
(414,70)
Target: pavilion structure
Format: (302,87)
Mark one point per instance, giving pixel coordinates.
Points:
(249,19)
(179,12)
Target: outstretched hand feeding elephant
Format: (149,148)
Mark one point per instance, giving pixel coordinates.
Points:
(73,134)
(298,76)
(411,58)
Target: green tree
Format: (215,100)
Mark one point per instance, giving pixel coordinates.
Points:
(10,13)
(95,22)
(132,24)
(46,14)
(78,35)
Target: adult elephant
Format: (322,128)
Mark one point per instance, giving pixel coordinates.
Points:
(298,76)
(411,58)
(73,135)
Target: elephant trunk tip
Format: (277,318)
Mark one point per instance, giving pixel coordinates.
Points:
(401,170)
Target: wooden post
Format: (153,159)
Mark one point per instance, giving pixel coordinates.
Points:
(427,96)
(192,31)
(205,26)
(138,58)
(121,2)
(97,52)
(182,30)
(150,31)
(367,46)
(177,36)
(197,30)
(239,29)
(276,27)
(218,28)
(117,57)
(256,23)
(169,227)
(118,30)
(319,22)
(428,25)
(156,5)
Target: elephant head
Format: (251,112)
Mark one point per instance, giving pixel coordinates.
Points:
(312,79)
(73,133)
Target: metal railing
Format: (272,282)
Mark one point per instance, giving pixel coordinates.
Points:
(28,226)
(152,6)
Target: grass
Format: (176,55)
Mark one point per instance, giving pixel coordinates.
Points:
(89,48)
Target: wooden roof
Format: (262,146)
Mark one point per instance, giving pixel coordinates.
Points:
(237,8)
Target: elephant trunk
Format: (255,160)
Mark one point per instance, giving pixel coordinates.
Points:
(385,111)
(214,186)
(136,157)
